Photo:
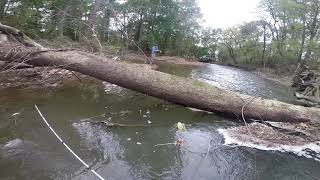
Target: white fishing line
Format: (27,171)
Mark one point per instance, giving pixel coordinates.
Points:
(85,164)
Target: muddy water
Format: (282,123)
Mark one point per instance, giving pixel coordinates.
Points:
(28,150)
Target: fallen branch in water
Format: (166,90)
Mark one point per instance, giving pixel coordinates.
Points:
(114,125)
(177,143)
(242,114)
(164,144)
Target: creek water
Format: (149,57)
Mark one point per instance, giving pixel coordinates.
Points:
(28,150)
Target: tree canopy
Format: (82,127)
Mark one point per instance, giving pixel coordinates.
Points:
(287,32)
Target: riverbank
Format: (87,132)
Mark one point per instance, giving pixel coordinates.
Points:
(50,77)
(268,73)
(284,79)
(35,78)
(271,74)
(53,77)
(135,57)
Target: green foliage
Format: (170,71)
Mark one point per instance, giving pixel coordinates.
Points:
(288,32)
(288,35)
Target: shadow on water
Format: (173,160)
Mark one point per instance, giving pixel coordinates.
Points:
(28,150)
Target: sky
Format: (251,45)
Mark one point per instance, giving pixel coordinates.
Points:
(227,13)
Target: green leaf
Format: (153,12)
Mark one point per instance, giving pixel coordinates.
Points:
(181,126)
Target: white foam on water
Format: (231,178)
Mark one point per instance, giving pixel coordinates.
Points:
(308,150)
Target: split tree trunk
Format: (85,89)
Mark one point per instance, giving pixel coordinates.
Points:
(183,91)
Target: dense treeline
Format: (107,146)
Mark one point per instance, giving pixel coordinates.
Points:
(173,25)
(286,34)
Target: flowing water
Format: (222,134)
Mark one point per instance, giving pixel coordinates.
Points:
(28,150)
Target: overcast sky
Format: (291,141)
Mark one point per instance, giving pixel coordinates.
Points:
(226,13)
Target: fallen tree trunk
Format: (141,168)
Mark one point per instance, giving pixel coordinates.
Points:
(2,64)
(172,88)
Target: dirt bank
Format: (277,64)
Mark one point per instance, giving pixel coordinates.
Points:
(140,58)
(178,61)
(271,74)
(38,78)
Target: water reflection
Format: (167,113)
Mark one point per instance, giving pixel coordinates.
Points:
(109,154)
(31,161)
(201,156)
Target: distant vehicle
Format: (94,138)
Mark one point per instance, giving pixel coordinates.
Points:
(206,58)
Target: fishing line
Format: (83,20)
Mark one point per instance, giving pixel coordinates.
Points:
(85,164)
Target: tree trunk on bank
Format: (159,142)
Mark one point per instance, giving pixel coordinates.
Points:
(264,45)
(62,17)
(183,91)
(303,40)
(231,54)
(138,32)
(105,29)
(92,20)
(313,27)
(2,8)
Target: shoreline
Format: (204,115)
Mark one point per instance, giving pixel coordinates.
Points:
(270,74)
(51,77)
(267,73)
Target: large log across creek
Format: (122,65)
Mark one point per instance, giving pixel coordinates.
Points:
(15,46)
